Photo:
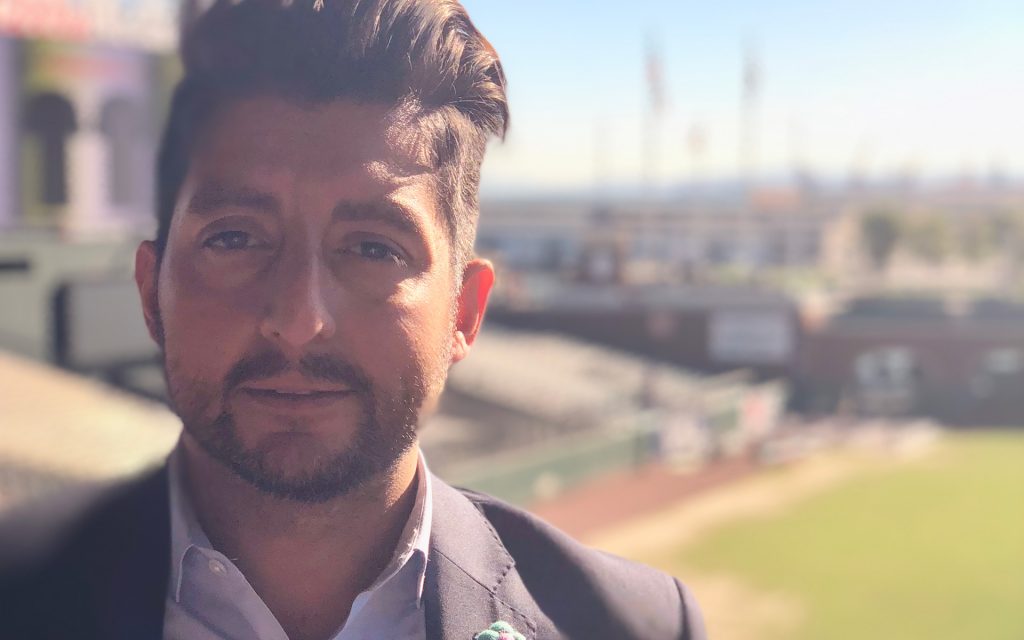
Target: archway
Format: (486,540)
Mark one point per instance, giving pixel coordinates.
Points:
(50,117)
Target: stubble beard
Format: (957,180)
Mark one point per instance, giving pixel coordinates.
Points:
(383,434)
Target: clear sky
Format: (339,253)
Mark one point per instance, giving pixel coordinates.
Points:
(877,86)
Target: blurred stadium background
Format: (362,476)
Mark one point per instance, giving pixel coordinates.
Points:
(769,337)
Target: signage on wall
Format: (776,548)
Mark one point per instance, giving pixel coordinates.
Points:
(739,336)
(140,24)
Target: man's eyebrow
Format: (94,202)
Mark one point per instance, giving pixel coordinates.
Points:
(210,198)
(390,213)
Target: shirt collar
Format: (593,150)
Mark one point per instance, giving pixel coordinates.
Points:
(185,530)
(413,545)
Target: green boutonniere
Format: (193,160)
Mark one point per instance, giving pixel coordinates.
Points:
(500,630)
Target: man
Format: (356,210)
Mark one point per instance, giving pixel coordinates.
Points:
(311,282)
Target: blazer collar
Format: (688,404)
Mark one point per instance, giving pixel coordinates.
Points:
(471,579)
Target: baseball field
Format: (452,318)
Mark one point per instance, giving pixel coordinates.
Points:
(926,543)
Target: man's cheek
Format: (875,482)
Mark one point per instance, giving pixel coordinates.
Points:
(202,332)
(383,343)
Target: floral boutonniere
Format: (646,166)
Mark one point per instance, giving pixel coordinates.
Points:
(500,630)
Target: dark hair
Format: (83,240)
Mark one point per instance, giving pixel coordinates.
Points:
(423,56)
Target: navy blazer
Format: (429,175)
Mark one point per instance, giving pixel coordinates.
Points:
(106,576)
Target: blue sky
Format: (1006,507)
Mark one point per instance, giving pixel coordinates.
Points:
(873,86)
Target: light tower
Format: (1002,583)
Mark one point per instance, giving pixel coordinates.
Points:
(653,115)
(750,81)
(697,146)
(602,173)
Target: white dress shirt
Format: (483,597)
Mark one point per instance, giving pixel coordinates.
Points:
(208,598)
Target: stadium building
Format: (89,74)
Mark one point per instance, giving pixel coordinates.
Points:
(82,87)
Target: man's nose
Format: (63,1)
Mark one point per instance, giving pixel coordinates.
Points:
(298,311)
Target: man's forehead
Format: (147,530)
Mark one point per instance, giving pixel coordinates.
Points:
(387,139)
(398,208)
(261,152)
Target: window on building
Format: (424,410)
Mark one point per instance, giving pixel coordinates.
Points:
(887,381)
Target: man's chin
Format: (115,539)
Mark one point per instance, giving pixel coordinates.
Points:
(291,475)
(299,468)
(292,454)
(305,461)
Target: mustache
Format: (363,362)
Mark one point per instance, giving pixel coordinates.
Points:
(317,367)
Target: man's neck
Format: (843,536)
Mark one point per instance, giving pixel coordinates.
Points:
(307,562)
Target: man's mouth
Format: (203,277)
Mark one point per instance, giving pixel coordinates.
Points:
(307,393)
(295,398)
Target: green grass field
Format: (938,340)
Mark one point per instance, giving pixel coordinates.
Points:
(931,549)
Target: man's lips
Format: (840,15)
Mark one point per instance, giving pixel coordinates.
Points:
(288,395)
(298,393)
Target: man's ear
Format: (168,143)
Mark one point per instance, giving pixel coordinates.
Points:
(147,275)
(477,280)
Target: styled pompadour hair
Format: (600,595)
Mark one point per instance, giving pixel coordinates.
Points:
(425,57)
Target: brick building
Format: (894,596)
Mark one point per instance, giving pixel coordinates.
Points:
(960,363)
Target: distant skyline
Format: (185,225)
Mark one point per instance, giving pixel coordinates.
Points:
(872,86)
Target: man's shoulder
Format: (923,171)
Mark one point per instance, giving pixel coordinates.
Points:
(86,517)
(585,583)
(83,551)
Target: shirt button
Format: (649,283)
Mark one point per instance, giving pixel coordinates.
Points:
(217,568)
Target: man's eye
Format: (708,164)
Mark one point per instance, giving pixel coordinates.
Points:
(231,240)
(378,252)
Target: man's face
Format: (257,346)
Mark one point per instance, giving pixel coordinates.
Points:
(305,302)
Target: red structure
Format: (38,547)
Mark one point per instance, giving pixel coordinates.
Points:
(917,357)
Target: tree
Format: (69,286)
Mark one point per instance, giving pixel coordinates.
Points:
(978,239)
(1007,229)
(929,238)
(881,232)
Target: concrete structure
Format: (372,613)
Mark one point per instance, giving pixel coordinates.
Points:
(529,413)
(33,269)
(59,430)
(647,240)
(705,328)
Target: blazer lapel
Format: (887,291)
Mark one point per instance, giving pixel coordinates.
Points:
(471,580)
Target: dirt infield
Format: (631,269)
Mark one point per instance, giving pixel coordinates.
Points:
(756,495)
(642,515)
(653,513)
(645,499)
(625,496)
